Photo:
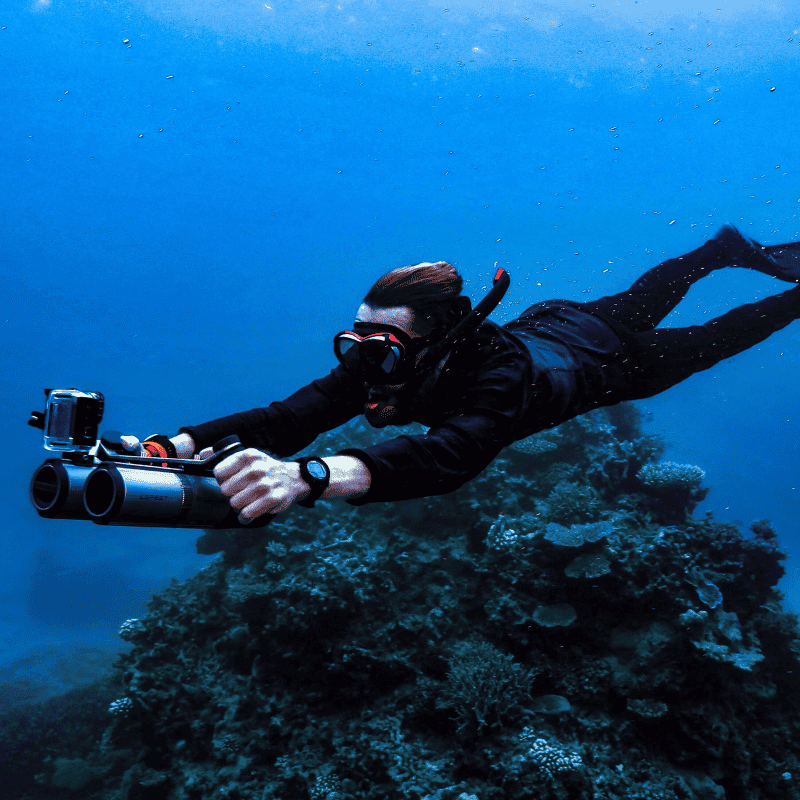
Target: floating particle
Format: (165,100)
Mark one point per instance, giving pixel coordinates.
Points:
(169,76)
(126,41)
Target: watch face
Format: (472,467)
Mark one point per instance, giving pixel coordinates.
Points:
(316,469)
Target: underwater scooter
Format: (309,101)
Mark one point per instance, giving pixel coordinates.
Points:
(97,480)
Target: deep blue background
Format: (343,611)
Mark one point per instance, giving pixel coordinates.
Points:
(189,244)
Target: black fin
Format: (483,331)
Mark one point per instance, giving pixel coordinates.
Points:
(787,261)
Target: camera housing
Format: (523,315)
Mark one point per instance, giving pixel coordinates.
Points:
(70,421)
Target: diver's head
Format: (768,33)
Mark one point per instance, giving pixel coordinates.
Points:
(428,290)
(404,313)
(409,320)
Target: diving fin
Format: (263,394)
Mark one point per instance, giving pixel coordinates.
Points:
(739,250)
(786,258)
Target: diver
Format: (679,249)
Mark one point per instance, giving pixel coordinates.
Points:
(419,352)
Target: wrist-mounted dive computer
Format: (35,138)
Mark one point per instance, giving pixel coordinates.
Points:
(315,472)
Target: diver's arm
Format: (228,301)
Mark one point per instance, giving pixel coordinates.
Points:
(350,477)
(286,427)
(257,483)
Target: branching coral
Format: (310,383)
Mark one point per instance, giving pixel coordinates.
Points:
(572,502)
(486,686)
(550,759)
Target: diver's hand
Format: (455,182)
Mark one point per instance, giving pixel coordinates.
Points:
(259,484)
(184,446)
(132,445)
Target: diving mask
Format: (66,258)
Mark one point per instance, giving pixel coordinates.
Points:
(379,354)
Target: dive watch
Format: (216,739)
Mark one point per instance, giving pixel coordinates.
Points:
(315,472)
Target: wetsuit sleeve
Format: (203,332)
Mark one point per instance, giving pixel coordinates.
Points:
(457,449)
(286,427)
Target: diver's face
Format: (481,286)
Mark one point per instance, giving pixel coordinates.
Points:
(401,317)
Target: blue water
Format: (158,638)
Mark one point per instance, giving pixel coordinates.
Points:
(188,217)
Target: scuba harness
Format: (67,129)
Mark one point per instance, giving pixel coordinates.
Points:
(386,354)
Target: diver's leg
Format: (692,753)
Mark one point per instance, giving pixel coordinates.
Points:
(665,357)
(661,288)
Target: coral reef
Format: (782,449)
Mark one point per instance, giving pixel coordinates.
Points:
(557,628)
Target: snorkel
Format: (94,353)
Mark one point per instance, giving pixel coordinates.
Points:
(384,407)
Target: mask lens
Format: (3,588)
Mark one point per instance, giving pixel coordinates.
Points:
(389,363)
(378,358)
(374,357)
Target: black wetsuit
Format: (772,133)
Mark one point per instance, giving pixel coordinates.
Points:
(557,360)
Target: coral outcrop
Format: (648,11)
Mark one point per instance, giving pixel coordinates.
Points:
(560,627)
